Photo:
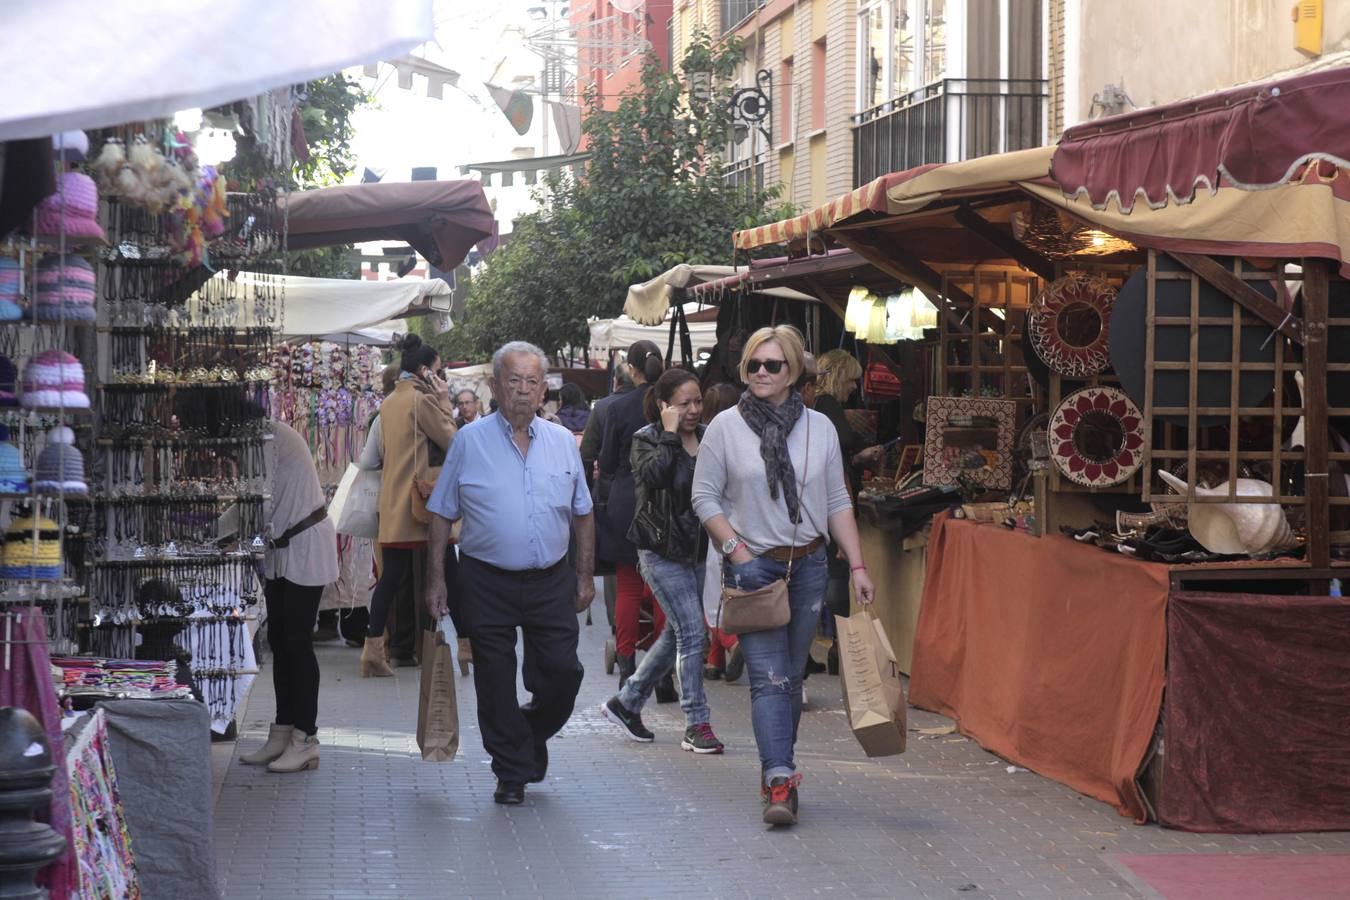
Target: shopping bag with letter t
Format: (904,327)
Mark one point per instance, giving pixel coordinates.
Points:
(873,694)
(437,707)
(355,509)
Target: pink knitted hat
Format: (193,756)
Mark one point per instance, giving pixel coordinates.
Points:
(73,209)
(54,379)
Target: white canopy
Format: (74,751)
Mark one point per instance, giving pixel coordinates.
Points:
(648,303)
(623,332)
(76,64)
(334,308)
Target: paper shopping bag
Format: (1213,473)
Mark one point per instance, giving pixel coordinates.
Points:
(437,707)
(355,509)
(873,694)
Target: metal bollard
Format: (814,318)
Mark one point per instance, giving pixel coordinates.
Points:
(26,771)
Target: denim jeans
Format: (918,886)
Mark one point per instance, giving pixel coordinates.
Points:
(678,587)
(776,659)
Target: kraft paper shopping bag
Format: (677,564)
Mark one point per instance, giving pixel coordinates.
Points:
(437,706)
(873,693)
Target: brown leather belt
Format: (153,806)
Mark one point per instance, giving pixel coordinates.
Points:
(792,554)
(303,525)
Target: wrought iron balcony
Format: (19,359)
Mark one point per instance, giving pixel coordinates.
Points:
(947,121)
(735,11)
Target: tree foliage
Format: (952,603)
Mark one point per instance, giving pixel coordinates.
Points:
(653,195)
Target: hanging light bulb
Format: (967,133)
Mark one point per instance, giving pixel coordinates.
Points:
(857,313)
(908,313)
(876,326)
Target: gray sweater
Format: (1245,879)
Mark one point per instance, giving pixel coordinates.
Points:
(729,479)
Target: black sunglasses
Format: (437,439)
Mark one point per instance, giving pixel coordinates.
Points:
(774,366)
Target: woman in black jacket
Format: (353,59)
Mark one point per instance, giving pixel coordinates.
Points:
(671,547)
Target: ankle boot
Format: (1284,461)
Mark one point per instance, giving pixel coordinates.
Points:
(372,659)
(301,753)
(627,666)
(278,738)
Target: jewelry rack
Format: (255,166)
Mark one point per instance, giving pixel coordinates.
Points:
(180,439)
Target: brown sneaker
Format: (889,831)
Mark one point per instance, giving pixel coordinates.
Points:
(779,797)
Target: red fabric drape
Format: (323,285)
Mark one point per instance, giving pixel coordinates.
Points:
(1047,652)
(26,682)
(1257,725)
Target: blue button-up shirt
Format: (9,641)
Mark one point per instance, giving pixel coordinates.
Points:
(517,508)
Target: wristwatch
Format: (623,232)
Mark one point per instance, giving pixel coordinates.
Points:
(729,546)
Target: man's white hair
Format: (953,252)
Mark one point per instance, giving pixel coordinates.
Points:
(499,358)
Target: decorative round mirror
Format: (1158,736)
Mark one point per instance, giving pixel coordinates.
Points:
(1069,325)
(1097,437)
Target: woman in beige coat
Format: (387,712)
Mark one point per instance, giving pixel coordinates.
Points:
(416,426)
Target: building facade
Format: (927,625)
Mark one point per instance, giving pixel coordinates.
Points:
(1111,57)
(861,88)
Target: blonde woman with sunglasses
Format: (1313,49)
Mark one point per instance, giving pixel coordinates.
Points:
(766,499)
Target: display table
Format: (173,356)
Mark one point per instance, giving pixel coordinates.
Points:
(1045,651)
(897,568)
(161,750)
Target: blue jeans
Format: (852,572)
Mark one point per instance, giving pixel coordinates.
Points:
(678,587)
(776,658)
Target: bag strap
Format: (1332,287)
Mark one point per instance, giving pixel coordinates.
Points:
(801,489)
(801,508)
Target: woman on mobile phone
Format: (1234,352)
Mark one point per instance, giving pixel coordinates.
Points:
(416,426)
(671,551)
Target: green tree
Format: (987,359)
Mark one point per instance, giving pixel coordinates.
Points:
(652,196)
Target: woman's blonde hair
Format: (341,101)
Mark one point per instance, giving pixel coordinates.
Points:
(789,340)
(835,370)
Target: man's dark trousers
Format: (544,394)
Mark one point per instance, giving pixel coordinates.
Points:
(493,604)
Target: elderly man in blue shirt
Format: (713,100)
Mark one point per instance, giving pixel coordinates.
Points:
(517,483)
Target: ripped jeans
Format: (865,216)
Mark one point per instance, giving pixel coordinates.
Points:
(775,659)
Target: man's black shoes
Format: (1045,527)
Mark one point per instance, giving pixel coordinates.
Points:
(509,793)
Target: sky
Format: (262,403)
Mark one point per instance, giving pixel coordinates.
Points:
(483,40)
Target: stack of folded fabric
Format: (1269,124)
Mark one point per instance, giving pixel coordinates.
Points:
(30,555)
(13,475)
(60,465)
(72,210)
(9,382)
(65,289)
(144,679)
(54,379)
(9,290)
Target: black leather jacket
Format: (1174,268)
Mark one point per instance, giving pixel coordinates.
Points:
(664,520)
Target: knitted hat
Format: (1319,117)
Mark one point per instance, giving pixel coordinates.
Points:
(10,279)
(72,210)
(54,379)
(9,382)
(25,557)
(65,287)
(13,476)
(60,465)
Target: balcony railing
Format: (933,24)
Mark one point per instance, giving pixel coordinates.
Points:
(746,174)
(947,121)
(735,11)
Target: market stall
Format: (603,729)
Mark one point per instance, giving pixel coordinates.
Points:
(1151,379)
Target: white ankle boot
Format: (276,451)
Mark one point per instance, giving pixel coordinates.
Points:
(278,737)
(301,753)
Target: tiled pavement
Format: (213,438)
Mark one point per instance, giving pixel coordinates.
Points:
(618,819)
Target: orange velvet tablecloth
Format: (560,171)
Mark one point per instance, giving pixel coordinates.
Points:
(1048,652)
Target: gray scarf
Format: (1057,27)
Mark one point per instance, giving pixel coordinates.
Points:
(772,424)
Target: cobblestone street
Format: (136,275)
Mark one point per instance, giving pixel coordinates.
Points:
(618,819)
